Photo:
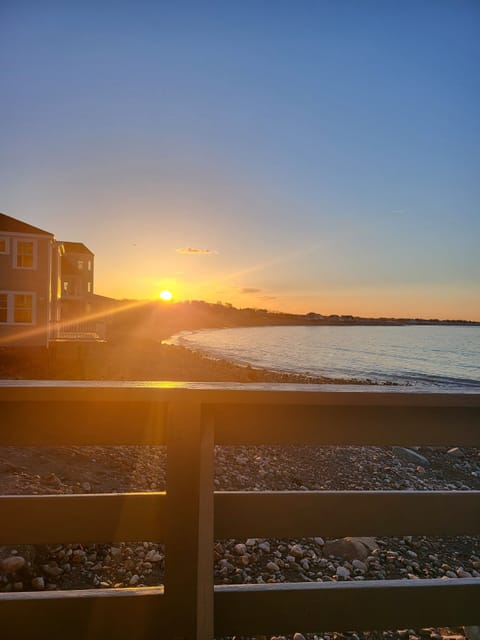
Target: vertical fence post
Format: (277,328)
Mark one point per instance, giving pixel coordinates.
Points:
(189,532)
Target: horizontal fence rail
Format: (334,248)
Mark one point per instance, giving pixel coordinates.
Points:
(190,418)
(126,517)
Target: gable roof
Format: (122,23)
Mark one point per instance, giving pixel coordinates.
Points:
(76,247)
(12,225)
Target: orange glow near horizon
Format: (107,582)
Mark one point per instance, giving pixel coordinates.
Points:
(413,301)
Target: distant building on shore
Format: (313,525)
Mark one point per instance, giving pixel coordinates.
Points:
(43,282)
(76,280)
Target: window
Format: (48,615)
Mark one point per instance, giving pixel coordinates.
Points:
(4,245)
(89,287)
(89,265)
(23,308)
(17,307)
(3,307)
(25,255)
(80,265)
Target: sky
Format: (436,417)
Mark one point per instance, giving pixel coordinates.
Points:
(297,156)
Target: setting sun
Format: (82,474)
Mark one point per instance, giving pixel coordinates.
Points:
(166,295)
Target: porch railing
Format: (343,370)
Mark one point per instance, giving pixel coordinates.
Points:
(77,331)
(190,418)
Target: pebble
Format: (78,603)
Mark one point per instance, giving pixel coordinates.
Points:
(297,551)
(359,565)
(412,456)
(38,583)
(12,564)
(240,549)
(241,561)
(343,573)
(455,452)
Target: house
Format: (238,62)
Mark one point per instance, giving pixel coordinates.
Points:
(29,283)
(77,264)
(43,283)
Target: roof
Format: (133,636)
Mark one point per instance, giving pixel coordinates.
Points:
(76,247)
(12,225)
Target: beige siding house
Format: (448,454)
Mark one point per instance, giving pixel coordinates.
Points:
(43,285)
(29,277)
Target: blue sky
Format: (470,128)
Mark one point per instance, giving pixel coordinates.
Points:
(326,153)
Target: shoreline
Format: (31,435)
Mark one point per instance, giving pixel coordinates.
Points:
(142,359)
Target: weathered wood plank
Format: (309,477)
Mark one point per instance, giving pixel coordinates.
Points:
(245,609)
(311,607)
(82,423)
(189,534)
(82,518)
(347,424)
(129,423)
(235,392)
(142,516)
(122,614)
(346,513)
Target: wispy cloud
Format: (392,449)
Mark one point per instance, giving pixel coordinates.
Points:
(249,290)
(195,251)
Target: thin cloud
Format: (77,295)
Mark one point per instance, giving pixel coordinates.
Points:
(195,251)
(249,290)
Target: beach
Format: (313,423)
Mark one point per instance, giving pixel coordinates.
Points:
(137,359)
(73,470)
(88,470)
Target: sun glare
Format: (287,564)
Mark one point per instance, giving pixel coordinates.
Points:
(166,295)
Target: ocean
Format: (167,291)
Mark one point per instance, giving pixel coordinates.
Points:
(439,355)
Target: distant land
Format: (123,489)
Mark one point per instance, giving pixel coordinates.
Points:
(159,319)
(135,347)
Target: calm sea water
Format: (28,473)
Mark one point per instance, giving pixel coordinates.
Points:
(439,355)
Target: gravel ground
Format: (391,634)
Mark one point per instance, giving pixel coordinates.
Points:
(109,469)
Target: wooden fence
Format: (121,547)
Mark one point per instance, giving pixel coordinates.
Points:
(190,418)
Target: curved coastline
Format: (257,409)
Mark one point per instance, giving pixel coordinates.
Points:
(273,355)
(246,372)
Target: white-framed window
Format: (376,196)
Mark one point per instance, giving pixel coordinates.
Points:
(17,307)
(4,245)
(23,308)
(89,287)
(25,254)
(89,265)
